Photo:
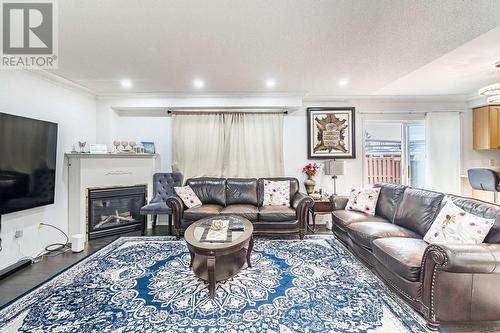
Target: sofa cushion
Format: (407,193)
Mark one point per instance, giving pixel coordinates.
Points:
(343,218)
(276,214)
(364,200)
(294,187)
(209,190)
(187,196)
(242,191)
(388,200)
(363,233)
(402,256)
(453,225)
(418,209)
(484,210)
(276,193)
(249,212)
(201,212)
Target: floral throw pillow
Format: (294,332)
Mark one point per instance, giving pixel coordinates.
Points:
(453,225)
(364,200)
(276,193)
(188,196)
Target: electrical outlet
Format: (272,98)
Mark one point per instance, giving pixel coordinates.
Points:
(18,234)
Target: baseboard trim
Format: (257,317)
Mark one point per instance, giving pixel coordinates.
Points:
(9,270)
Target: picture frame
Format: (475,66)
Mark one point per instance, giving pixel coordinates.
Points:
(98,148)
(331,132)
(149,147)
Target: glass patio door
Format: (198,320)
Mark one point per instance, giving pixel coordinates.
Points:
(394,152)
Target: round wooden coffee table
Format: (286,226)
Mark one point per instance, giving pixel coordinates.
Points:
(219,261)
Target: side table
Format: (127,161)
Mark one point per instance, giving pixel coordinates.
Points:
(321,206)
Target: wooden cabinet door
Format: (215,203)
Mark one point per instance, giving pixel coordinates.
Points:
(481,128)
(494,129)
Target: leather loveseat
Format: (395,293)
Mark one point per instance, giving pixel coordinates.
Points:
(243,197)
(445,283)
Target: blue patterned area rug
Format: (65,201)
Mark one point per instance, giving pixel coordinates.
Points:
(144,284)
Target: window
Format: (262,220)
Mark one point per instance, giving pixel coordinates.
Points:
(395,152)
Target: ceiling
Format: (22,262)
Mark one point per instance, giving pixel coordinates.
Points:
(306,46)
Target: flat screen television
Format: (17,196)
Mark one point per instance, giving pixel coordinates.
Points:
(28,149)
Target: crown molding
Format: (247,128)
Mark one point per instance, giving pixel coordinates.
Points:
(184,95)
(386,98)
(60,81)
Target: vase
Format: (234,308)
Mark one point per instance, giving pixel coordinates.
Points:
(310,183)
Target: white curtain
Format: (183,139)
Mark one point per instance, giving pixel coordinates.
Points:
(227,144)
(443,151)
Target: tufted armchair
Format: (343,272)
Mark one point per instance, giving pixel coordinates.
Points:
(163,187)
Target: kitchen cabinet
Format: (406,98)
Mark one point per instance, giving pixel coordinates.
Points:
(486,127)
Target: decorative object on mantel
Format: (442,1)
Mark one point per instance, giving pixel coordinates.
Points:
(128,147)
(492,91)
(149,147)
(81,145)
(139,149)
(116,143)
(310,169)
(330,133)
(334,168)
(98,148)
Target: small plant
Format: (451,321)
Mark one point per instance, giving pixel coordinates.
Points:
(311,169)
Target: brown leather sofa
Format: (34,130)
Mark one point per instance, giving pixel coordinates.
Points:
(445,283)
(243,197)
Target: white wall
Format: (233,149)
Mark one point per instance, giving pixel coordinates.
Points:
(30,95)
(154,124)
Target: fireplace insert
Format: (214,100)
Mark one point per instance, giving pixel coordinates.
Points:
(115,210)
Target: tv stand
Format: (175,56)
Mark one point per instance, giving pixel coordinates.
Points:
(14,267)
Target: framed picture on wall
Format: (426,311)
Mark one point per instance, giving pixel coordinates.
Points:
(330,133)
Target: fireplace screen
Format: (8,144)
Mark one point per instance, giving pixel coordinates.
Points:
(115,210)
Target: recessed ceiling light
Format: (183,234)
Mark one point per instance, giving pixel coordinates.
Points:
(343,82)
(271,83)
(126,83)
(198,83)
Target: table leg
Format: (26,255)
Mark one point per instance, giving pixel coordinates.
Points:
(249,251)
(211,275)
(191,254)
(314,222)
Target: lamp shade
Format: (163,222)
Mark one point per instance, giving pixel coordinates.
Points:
(334,168)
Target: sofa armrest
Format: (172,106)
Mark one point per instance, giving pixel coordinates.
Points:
(301,203)
(300,199)
(339,201)
(440,263)
(465,258)
(177,206)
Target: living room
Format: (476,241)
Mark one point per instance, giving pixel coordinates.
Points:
(235,166)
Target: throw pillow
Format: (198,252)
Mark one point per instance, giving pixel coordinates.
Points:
(276,193)
(364,200)
(188,196)
(453,225)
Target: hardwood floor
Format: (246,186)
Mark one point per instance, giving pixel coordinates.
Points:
(24,280)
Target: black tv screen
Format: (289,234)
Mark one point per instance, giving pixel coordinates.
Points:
(28,150)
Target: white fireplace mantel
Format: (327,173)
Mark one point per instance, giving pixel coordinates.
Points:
(104,170)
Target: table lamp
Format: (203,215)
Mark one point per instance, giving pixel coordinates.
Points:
(334,168)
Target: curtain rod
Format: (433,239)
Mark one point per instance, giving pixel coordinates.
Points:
(225,111)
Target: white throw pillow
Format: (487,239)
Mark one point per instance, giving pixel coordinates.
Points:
(453,225)
(364,200)
(188,196)
(276,193)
